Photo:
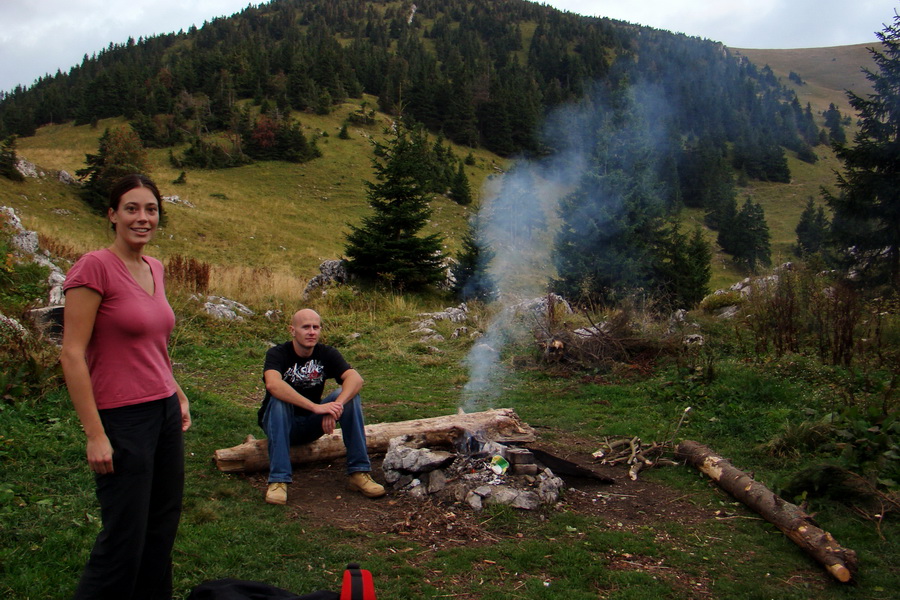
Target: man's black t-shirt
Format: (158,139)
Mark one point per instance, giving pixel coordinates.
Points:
(306,375)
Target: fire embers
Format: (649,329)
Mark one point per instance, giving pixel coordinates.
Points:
(477,473)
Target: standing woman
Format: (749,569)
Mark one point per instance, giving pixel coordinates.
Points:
(116,363)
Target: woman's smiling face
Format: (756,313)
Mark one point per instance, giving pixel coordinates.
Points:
(137,216)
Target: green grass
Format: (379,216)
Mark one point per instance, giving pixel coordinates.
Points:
(49,517)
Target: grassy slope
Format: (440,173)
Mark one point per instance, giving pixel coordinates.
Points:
(827,73)
(277,215)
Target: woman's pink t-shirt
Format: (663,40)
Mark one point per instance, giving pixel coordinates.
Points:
(127,355)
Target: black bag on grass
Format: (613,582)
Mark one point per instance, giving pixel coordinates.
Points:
(236,589)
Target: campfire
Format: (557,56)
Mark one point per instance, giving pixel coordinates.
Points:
(477,472)
(476,458)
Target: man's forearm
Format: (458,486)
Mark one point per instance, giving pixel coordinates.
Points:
(284,392)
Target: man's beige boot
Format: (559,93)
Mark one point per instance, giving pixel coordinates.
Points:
(277,493)
(363,483)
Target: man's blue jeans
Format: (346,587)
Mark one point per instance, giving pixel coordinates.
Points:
(284,430)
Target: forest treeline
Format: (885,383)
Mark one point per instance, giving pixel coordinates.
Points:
(482,72)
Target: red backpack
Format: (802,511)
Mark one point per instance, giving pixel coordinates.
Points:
(357,584)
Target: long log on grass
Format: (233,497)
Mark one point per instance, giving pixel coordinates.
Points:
(840,562)
(500,425)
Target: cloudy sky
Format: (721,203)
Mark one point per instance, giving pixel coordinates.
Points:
(38,37)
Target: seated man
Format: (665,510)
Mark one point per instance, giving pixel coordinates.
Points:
(293,411)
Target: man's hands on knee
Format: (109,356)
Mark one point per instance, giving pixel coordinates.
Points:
(331,412)
(328,423)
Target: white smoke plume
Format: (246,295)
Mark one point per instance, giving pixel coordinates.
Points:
(517,223)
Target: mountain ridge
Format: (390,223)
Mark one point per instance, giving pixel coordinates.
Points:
(826,71)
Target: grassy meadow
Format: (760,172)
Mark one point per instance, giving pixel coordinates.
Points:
(265,228)
(48,517)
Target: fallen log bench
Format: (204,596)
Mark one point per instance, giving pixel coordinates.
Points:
(840,562)
(500,425)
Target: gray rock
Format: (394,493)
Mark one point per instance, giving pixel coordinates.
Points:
(12,325)
(541,305)
(220,311)
(331,272)
(28,169)
(416,460)
(693,339)
(437,481)
(458,332)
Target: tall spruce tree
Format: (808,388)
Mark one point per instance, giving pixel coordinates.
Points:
(682,267)
(471,277)
(867,207)
(811,230)
(833,119)
(389,246)
(749,241)
(8,160)
(120,153)
(610,224)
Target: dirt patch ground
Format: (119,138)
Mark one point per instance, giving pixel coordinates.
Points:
(320,495)
(625,503)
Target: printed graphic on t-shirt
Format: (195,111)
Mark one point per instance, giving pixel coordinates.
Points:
(310,374)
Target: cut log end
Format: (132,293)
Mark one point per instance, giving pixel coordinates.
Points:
(840,572)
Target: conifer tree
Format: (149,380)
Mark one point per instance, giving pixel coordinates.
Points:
(389,247)
(460,190)
(610,223)
(682,267)
(8,160)
(811,230)
(748,237)
(120,153)
(833,123)
(471,277)
(867,207)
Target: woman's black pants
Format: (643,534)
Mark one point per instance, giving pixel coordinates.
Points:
(140,504)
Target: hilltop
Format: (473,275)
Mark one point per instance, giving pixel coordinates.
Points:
(826,72)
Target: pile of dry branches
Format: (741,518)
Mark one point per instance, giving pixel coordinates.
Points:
(634,453)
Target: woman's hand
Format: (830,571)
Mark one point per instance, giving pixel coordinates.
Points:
(185,410)
(100,454)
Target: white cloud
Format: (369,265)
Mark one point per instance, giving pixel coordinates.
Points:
(39,37)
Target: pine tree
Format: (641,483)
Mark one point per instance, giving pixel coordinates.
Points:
(867,207)
(833,123)
(811,230)
(682,267)
(749,240)
(8,160)
(389,246)
(471,277)
(460,190)
(611,222)
(120,153)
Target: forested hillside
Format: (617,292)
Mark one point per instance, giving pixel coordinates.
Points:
(707,124)
(481,72)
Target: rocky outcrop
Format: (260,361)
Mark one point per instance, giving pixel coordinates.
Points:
(331,273)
